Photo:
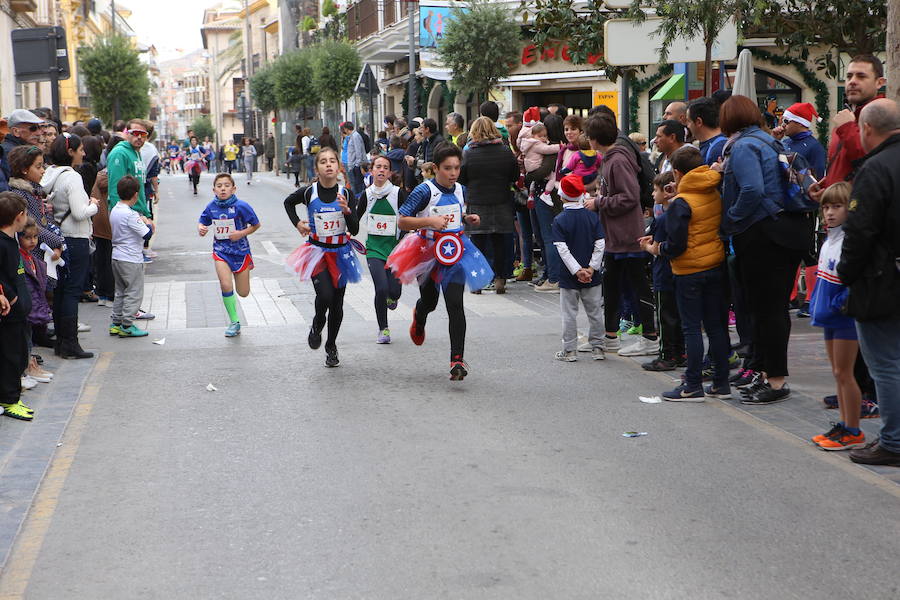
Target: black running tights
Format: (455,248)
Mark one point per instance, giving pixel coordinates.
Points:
(386,286)
(329,307)
(453,300)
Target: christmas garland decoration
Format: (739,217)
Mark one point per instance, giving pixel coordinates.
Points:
(639,86)
(823,97)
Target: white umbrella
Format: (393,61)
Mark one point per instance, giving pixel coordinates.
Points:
(744,78)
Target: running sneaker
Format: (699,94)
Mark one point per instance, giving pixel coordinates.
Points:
(830,401)
(83,327)
(597,353)
(132,331)
(518,270)
(147,259)
(115,328)
(768,395)
(745,379)
(384,336)
(843,440)
(331,357)
(624,326)
(39,377)
(392,304)
(458,368)
(635,330)
(89,297)
(803,313)
(17,411)
(722,394)
(570,356)
(315,337)
(28,382)
(868,409)
(683,394)
(143,315)
(707,373)
(659,364)
(416,331)
(734,360)
(757,386)
(641,347)
(584,345)
(27,408)
(836,428)
(547,286)
(609,344)
(233,329)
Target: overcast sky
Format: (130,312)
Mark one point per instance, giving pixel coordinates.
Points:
(173,26)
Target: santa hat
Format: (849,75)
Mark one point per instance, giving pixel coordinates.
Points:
(803,113)
(571,188)
(532,116)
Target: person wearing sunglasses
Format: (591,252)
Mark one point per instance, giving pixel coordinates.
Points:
(125,159)
(25,129)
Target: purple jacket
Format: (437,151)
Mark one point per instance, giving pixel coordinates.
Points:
(36,277)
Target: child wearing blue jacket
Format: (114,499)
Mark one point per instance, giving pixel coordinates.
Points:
(829,296)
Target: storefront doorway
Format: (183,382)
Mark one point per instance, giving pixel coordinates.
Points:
(576,101)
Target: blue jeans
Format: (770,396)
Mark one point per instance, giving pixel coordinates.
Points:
(355,176)
(73,278)
(880,345)
(701,300)
(309,160)
(545,217)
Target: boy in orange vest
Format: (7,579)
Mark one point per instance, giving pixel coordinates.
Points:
(697,256)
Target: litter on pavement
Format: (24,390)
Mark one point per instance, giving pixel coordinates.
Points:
(650,399)
(211,388)
(634,433)
(160,341)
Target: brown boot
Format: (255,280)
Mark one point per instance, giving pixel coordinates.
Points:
(526,275)
(499,285)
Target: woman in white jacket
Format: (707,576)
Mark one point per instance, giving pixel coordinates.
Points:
(72,209)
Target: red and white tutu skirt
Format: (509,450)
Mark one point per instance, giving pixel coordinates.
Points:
(194,165)
(413,261)
(309,260)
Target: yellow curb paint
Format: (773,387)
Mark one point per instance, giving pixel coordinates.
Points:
(17,573)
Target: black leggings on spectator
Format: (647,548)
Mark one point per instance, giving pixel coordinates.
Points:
(386,286)
(453,300)
(767,272)
(329,307)
(635,270)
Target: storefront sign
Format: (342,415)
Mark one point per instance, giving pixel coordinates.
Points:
(608,99)
(531,54)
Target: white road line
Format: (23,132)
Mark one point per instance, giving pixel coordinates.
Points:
(252,310)
(177,306)
(265,302)
(270,248)
(288,311)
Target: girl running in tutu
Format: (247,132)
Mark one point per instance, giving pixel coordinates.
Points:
(327,258)
(382,201)
(440,253)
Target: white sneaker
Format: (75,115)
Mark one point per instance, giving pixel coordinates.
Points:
(641,347)
(583,344)
(39,378)
(28,383)
(610,344)
(83,327)
(597,353)
(564,356)
(547,286)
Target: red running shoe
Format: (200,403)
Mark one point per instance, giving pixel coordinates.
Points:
(416,332)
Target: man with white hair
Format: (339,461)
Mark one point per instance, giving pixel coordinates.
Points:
(870,267)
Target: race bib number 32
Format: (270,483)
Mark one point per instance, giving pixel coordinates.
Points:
(222,228)
(382,225)
(330,223)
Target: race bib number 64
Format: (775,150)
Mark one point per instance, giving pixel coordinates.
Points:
(382,225)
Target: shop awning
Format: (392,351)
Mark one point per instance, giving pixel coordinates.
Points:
(673,89)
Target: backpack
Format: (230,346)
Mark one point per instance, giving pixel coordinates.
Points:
(796,177)
(646,172)
(314,145)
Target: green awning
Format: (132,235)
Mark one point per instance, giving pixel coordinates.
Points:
(673,89)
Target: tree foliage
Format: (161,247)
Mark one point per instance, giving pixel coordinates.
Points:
(480,45)
(112,70)
(203,128)
(292,78)
(336,67)
(262,89)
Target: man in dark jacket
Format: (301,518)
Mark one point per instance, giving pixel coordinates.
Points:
(270,154)
(870,267)
(24,129)
(619,203)
(432,140)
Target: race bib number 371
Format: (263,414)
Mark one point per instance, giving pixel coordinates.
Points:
(330,223)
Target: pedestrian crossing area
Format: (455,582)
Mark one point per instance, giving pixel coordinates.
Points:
(284,301)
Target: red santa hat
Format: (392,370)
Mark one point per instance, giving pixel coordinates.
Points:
(803,113)
(571,188)
(532,116)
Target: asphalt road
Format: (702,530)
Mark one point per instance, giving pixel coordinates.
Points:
(383,480)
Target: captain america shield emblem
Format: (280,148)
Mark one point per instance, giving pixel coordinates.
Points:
(448,249)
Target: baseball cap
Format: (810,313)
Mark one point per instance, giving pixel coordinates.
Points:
(20,116)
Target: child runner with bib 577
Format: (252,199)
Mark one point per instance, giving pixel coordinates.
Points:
(231,221)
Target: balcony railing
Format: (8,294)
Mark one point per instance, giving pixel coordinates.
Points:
(362,19)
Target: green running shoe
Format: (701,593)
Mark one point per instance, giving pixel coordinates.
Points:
(115,328)
(734,361)
(234,329)
(131,331)
(17,411)
(638,330)
(518,270)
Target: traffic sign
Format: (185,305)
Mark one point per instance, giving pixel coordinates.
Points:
(621,49)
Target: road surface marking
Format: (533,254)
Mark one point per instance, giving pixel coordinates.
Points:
(270,248)
(25,552)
